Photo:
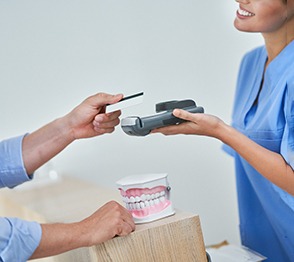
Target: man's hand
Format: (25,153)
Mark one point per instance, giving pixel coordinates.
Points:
(86,120)
(107,222)
(89,118)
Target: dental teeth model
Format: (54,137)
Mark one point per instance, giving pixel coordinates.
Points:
(147,197)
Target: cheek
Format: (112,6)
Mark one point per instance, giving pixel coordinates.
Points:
(272,19)
(290,10)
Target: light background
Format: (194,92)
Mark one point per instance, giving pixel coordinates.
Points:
(55,53)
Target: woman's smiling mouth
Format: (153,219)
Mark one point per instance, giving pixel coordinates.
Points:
(244,13)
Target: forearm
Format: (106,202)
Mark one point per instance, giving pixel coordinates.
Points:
(59,238)
(43,144)
(268,163)
(108,221)
(84,121)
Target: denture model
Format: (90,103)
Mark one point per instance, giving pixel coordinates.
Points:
(147,196)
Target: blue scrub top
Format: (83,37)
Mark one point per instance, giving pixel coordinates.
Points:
(266,211)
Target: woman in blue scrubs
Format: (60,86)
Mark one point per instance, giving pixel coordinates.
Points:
(261,137)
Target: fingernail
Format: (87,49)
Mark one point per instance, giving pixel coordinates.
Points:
(98,118)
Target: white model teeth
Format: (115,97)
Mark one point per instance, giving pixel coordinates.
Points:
(145,200)
(132,199)
(143,197)
(244,13)
(137,199)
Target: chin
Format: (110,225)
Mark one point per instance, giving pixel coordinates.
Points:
(242,28)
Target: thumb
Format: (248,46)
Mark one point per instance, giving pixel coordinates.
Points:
(102,99)
(183,114)
(114,98)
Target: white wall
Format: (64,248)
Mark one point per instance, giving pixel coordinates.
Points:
(55,53)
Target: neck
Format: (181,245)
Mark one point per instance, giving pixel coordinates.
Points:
(275,42)
(290,30)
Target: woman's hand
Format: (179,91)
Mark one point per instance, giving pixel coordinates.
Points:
(197,124)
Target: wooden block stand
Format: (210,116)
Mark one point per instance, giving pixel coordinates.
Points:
(177,238)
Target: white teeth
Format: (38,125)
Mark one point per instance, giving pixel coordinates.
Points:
(143,197)
(141,205)
(145,200)
(244,13)
(132,199)
(138,199)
